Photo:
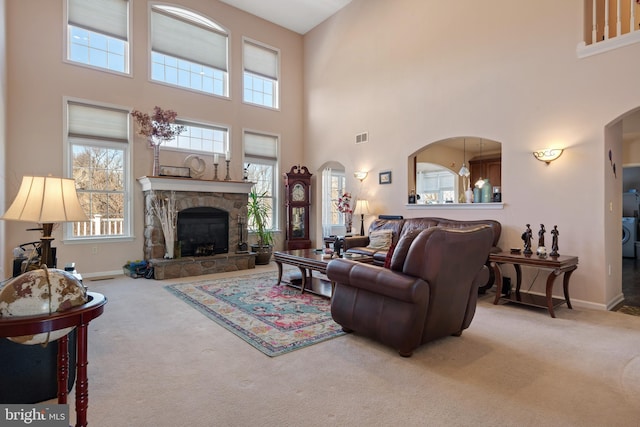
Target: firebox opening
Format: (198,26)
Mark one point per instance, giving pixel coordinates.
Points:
(203,231)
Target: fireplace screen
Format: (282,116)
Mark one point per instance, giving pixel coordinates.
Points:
(203,231)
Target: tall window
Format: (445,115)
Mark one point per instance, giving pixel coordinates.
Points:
(98,154)
(261,162)
(188,50)
(200,137)
(334,184)
(98,33)
(260,74)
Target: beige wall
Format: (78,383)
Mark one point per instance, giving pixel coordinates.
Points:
(38,79)
(411,72)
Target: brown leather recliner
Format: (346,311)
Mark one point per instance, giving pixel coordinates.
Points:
(429,292)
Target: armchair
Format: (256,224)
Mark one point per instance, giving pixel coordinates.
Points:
(429,292)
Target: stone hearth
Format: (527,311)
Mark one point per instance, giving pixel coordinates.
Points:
(230,196)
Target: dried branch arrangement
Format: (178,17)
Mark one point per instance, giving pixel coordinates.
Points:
(165,210)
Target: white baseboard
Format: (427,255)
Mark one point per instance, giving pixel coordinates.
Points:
(102,274)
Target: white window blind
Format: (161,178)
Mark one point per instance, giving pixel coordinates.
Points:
(260,145)
(102,16)
(182,37)
(260,60)
(97,122)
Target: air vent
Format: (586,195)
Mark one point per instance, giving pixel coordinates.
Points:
(363,137)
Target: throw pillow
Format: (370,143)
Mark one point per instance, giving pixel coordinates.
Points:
(380,239)
(387,260)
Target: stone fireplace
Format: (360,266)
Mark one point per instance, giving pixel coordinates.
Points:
(208,209)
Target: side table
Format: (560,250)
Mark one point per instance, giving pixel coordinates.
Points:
(566,264)
(79,317)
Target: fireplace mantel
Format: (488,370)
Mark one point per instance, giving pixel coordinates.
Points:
(150,183)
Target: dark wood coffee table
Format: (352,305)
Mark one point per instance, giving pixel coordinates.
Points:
(309,260)
(558,265)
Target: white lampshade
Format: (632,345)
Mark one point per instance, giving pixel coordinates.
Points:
(46,200)
(362,208)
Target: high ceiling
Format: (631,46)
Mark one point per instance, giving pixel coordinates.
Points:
(296,15)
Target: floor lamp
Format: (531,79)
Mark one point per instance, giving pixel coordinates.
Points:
(362,209)
(46,200)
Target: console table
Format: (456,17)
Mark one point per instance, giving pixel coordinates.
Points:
(558,265)
(79,317)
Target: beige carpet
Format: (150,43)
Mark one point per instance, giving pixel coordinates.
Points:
(153,361)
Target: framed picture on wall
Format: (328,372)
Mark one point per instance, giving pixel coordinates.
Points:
(384,177)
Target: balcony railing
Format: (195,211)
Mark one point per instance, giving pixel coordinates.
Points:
(99,227)
(609,24)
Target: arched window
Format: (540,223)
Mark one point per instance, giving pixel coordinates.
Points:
(188,50)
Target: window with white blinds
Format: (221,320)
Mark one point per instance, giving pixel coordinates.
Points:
(261,165)
(261,70)
(188,50)
(98,33)
(98,152)
(261,146)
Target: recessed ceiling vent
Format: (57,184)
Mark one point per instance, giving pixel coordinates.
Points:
(363,137)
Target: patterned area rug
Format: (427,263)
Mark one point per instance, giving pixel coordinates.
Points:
(273,319)
(628,309)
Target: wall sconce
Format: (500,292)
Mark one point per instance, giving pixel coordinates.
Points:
(547,155)
(361,175)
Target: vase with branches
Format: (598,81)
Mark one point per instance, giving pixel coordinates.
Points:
(344,207)
(156,128)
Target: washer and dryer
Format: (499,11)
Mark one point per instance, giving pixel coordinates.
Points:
(629,236)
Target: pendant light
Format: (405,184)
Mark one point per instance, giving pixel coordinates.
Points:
(464,171)
(480,181)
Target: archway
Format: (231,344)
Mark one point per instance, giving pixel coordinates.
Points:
(623,136)
(482,156)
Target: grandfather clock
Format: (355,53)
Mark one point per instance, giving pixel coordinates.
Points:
(298,200)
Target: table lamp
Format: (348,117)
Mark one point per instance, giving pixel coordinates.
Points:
(46,200)
(362,209)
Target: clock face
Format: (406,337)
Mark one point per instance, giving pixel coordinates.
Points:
(298,193)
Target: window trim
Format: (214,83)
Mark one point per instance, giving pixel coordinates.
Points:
(129,226)
(128,72)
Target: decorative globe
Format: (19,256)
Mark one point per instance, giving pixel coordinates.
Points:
(39,292)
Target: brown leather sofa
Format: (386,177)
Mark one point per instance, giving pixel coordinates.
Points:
(430,290)
(401,226)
